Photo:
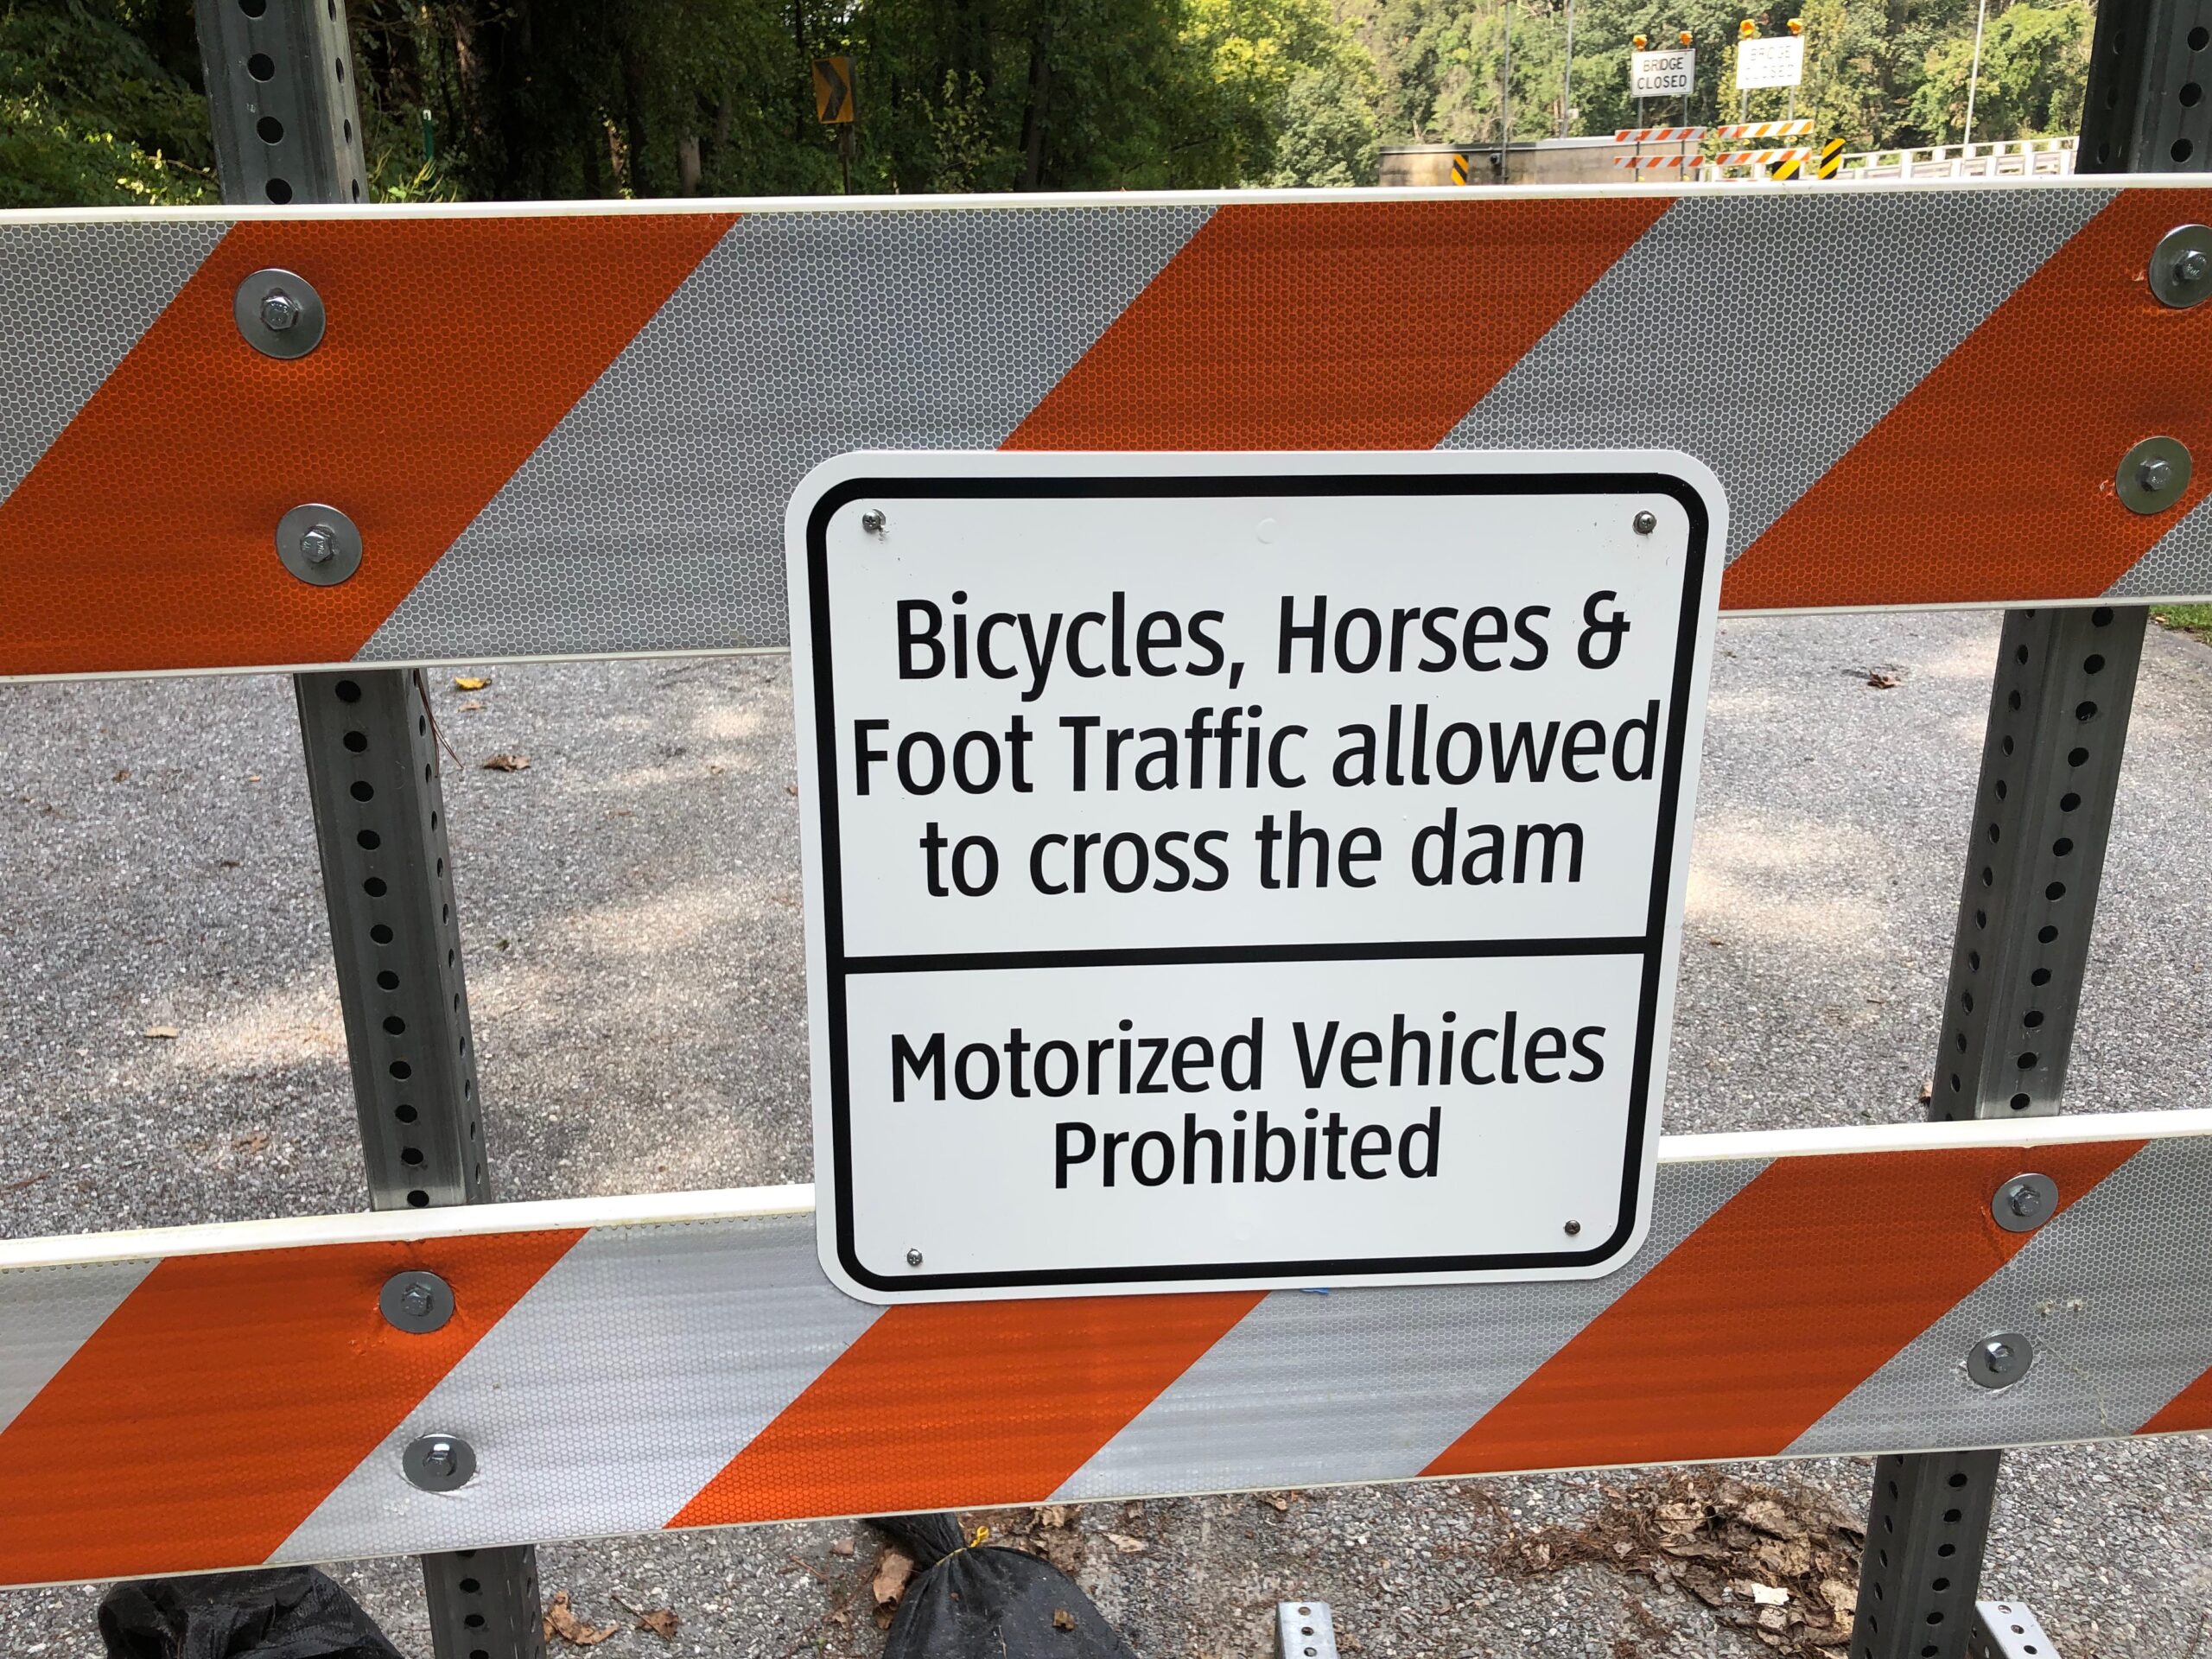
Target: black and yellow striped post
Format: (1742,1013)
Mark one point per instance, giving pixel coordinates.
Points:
(1458,168)
(1831,158)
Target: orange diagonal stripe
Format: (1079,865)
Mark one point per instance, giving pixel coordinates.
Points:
(963,1403)
(144,539)
(228,1396)
(1796,1291)
(2190,1408)
(1359,325)
(1992,478)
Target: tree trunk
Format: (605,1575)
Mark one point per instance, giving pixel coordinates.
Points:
(1033,113)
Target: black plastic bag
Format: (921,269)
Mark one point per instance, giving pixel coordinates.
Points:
(283,1613)
(982,1603)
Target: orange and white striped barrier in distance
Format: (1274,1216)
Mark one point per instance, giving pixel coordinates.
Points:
(1797,129)
(565,433)
(1758,158)
(231,1395)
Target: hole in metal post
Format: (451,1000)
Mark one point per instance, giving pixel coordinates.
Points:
(261,66)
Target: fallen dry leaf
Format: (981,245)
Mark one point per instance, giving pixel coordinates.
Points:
(162,1034)
(661,1621)
(253,1140)
(841,1547)
(1056,1515)
(1776,1563)
(469,682)
(892,1573)
(561,1620)
(507,763)
(1127,1545)
(1063,1620)
(473,706)
(122,776)
(1880,681)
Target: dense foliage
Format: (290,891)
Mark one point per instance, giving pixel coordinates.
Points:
(100,100)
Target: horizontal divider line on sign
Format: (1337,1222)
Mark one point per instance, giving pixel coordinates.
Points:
(1195,955)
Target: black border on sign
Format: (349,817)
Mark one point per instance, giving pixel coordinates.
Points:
(1650,945)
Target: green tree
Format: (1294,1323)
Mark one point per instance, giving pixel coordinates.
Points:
(2035,64)
(99,104)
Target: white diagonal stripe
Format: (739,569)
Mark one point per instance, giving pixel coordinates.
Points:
(1312,1390)
(644,1361)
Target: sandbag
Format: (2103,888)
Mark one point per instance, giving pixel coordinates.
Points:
(281,1613)
(982,1603)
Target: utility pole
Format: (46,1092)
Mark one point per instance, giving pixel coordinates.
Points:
(1973,77)
(1505,97)
(1567,77)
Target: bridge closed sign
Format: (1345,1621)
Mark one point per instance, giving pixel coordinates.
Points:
(1243,870)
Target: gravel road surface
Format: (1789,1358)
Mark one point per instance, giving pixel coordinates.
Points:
(633,938)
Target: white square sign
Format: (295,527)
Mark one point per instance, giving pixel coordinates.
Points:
(1670,74)
(1778,60)
(1243,870)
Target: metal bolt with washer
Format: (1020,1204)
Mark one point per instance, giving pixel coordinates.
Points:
(319,544)
(2180,267)
(278,313)
(2024,1203)
(416,1301)
(913,1258)
(2000,1359)
(1644,523)
(874,522)
(2154,476)
(439,1463)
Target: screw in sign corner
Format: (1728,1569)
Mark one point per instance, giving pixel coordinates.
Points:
(834,107)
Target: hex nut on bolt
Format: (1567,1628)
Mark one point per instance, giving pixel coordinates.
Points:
(319,544)
(416,1301)
(2153,475)
(279,313)
(2024,1203)
(2000,1359)
(439,1463)
(2181,267)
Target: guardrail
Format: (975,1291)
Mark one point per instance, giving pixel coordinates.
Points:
(2007,158)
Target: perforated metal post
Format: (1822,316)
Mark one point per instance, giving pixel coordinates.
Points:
(280,94)
(2058,716)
